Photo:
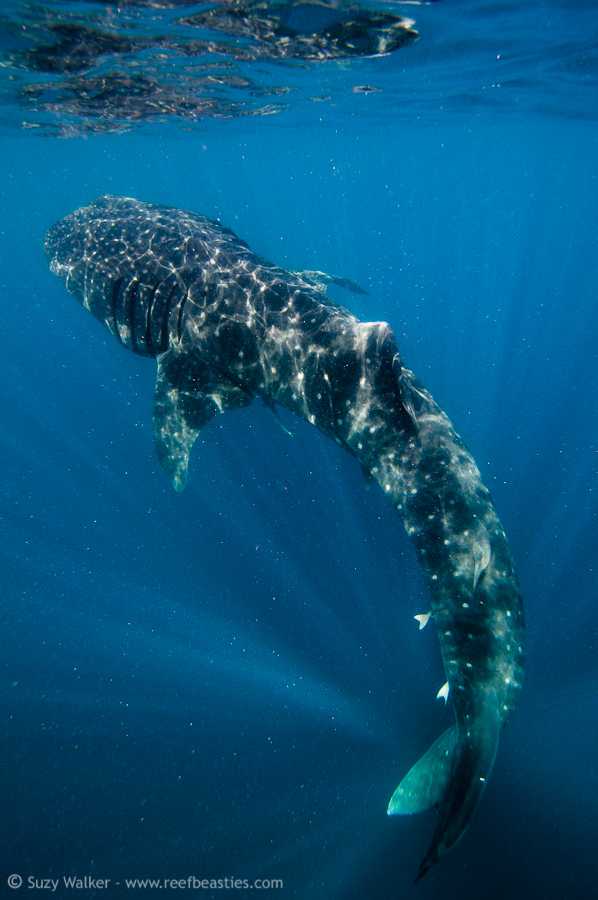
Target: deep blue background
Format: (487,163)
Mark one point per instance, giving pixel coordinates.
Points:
(229,682)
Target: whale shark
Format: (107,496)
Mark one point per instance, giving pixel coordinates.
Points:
(225,326)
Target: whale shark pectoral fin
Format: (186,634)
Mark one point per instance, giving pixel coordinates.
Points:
(177,421)
(188,394)
(482,552)
(319,280)
(426,782)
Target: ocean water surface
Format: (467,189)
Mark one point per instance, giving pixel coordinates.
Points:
(229,683)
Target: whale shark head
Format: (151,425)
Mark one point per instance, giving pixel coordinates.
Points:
(131,265)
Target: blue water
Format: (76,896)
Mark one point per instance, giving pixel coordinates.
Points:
(230,682)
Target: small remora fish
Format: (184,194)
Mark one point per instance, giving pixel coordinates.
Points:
(225,325)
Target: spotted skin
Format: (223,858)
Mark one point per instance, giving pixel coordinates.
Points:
(226,325)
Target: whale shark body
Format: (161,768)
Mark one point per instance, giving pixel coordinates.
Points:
(225,326)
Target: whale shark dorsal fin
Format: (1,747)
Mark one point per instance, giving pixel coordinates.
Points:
(319,280)
(404,386)
(481,555)
(188,394)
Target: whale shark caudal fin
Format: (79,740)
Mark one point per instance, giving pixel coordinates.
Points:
(426,781)
(188,394)
(451,776)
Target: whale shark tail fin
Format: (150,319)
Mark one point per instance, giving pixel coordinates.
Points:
(451,776)
(426,782)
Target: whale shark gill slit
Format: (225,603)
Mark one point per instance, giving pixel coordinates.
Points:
(131,315)
(179,321)
(148,320)
(161,312)
(224,326)
(115,297)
